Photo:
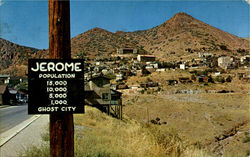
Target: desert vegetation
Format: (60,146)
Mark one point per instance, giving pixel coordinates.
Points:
(97,134)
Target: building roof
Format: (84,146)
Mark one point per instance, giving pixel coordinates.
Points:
(148,56)
(4,75)
(115,92)
(12,91)
(87,88)
(128,48)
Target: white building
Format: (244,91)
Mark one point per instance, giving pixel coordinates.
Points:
(225,61)
(244,58)
(182,66)
(205,54)
(127,51)
(5,78)
(119,77)
(146,58)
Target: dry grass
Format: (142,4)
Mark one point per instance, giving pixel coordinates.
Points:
(107,136)
(99,135)
(160,77)
(192,122)
(236,85)
(198,118)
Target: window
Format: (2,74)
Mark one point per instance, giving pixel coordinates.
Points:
(105,96)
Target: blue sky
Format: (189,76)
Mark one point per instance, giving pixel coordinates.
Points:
(26,22)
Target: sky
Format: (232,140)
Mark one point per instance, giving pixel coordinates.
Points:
(25,22)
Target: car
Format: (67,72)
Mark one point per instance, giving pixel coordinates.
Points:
(23,100)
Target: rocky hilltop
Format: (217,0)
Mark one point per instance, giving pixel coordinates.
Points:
(13,57)
(99,42)
(180,36)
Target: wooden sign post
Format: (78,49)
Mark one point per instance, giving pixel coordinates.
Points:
(61,125)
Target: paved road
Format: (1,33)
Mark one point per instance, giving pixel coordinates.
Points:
(28,137)
(12,116)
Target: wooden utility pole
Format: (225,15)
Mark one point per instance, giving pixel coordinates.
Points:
(61,125)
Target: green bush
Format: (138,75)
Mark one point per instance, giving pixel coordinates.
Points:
(223,47)
(193,77)
(220,79)
(34,151)
(229,79)
(110,76)
(246,139)
(22,87)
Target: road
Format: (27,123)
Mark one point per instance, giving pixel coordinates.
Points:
(12,116)
(26,138)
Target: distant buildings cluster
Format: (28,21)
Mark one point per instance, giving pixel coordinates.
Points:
(128,62)
(10,96)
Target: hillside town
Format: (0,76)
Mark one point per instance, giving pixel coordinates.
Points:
(114,71)
(178,87)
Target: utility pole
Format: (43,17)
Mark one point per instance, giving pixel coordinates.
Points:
(61,125)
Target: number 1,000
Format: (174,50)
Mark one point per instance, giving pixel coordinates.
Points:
(58,102)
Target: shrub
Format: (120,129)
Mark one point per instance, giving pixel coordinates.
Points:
(22,87)
(110,76)
(210,79)
(170,40)
(229,79)
(193,77)
(246,139)
(34,151)
(241,50)
(223,47)
(220,79)
(205,72)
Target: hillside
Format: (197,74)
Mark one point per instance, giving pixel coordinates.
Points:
(183,32)
(247,39)
(97,41)
(180,37)
(13,56)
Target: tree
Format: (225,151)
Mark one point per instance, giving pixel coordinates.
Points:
(220,79)
(223,47)
(210,79)
(205,72)
(229,79)
(193,77)
(23,87)
(81,55)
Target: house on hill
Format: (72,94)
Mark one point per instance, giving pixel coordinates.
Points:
(224,62)
(182,66)
(245,59)
(4,79)
(4,95)
(172,82)
(127,51)
(204,78)
(185,80)
(98,93)
(146,58)
(205,54)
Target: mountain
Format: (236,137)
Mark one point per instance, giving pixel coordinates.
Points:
(183,34)
(248,39)
(99,42)
(178,38)
(14,57)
